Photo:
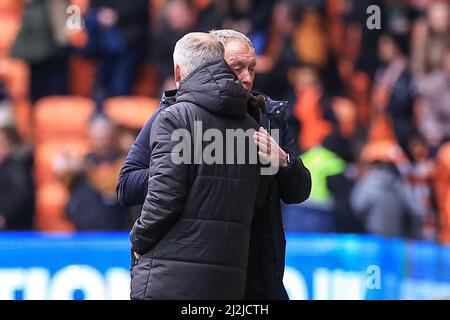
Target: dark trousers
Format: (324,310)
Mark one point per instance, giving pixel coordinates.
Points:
(50,77)
(116,74)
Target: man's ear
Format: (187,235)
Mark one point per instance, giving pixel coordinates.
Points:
(177,74)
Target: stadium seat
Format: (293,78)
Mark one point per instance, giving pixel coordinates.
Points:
(78,38)
(81,76)
(23,115)
(132,112)
(381,128)
(345,112)
(147,81)
(442,187)
(51,200)
(9,26)
(82,4)
(62,117)
(314,127)
(82,73)
(10,6)
(360,85)
(380,150)
(309,41)
(15,74)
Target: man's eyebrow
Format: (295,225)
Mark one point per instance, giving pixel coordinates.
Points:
(237,61)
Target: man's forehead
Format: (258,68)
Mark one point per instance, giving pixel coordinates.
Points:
(237,46)
(239,50)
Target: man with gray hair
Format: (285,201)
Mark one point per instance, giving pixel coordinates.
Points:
(292,183)
(192,238)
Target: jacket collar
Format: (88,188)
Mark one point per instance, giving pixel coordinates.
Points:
(273,108)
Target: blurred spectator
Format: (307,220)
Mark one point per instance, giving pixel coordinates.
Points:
(420,177)
(209,15)
(340,185)
(16,187)
(310,40)
(280,56)
(382,199)
(6,115)
(126,137)
(360,42)
(42,42)
(431,39)
(347,85)
(250,17)
(179,18)
(394,90)
(310,108)
(93,202)
(22,151)
(435,120)
(118,36)
(442,187)
(3,93)
(316,214)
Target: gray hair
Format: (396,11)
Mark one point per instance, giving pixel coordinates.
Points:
(225,35)
(195,49)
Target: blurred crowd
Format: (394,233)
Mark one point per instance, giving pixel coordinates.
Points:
(369,106)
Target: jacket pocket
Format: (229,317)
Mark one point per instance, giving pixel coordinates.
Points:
(140,275)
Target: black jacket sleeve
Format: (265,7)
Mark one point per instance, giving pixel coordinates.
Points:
(133,178)
(294,181)
(167,187)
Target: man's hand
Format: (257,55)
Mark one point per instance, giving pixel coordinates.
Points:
(136,255)
(269,150)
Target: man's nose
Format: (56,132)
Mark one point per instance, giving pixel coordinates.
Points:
(246,79)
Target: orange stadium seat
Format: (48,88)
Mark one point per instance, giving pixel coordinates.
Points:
(442,187)
(51,200)
(147,81)
(15,74)
(46,154)
(361,84)
(81,76)
(381,129)
(345,112)
(10,6)
(9,26)
(62,117)
(308,112)
(22,112)
(83,4)
(132,112)
(78,37)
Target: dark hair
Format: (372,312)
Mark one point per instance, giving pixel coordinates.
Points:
(11,134)
(401,41)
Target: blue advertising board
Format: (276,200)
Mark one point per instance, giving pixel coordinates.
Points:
(318,266)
